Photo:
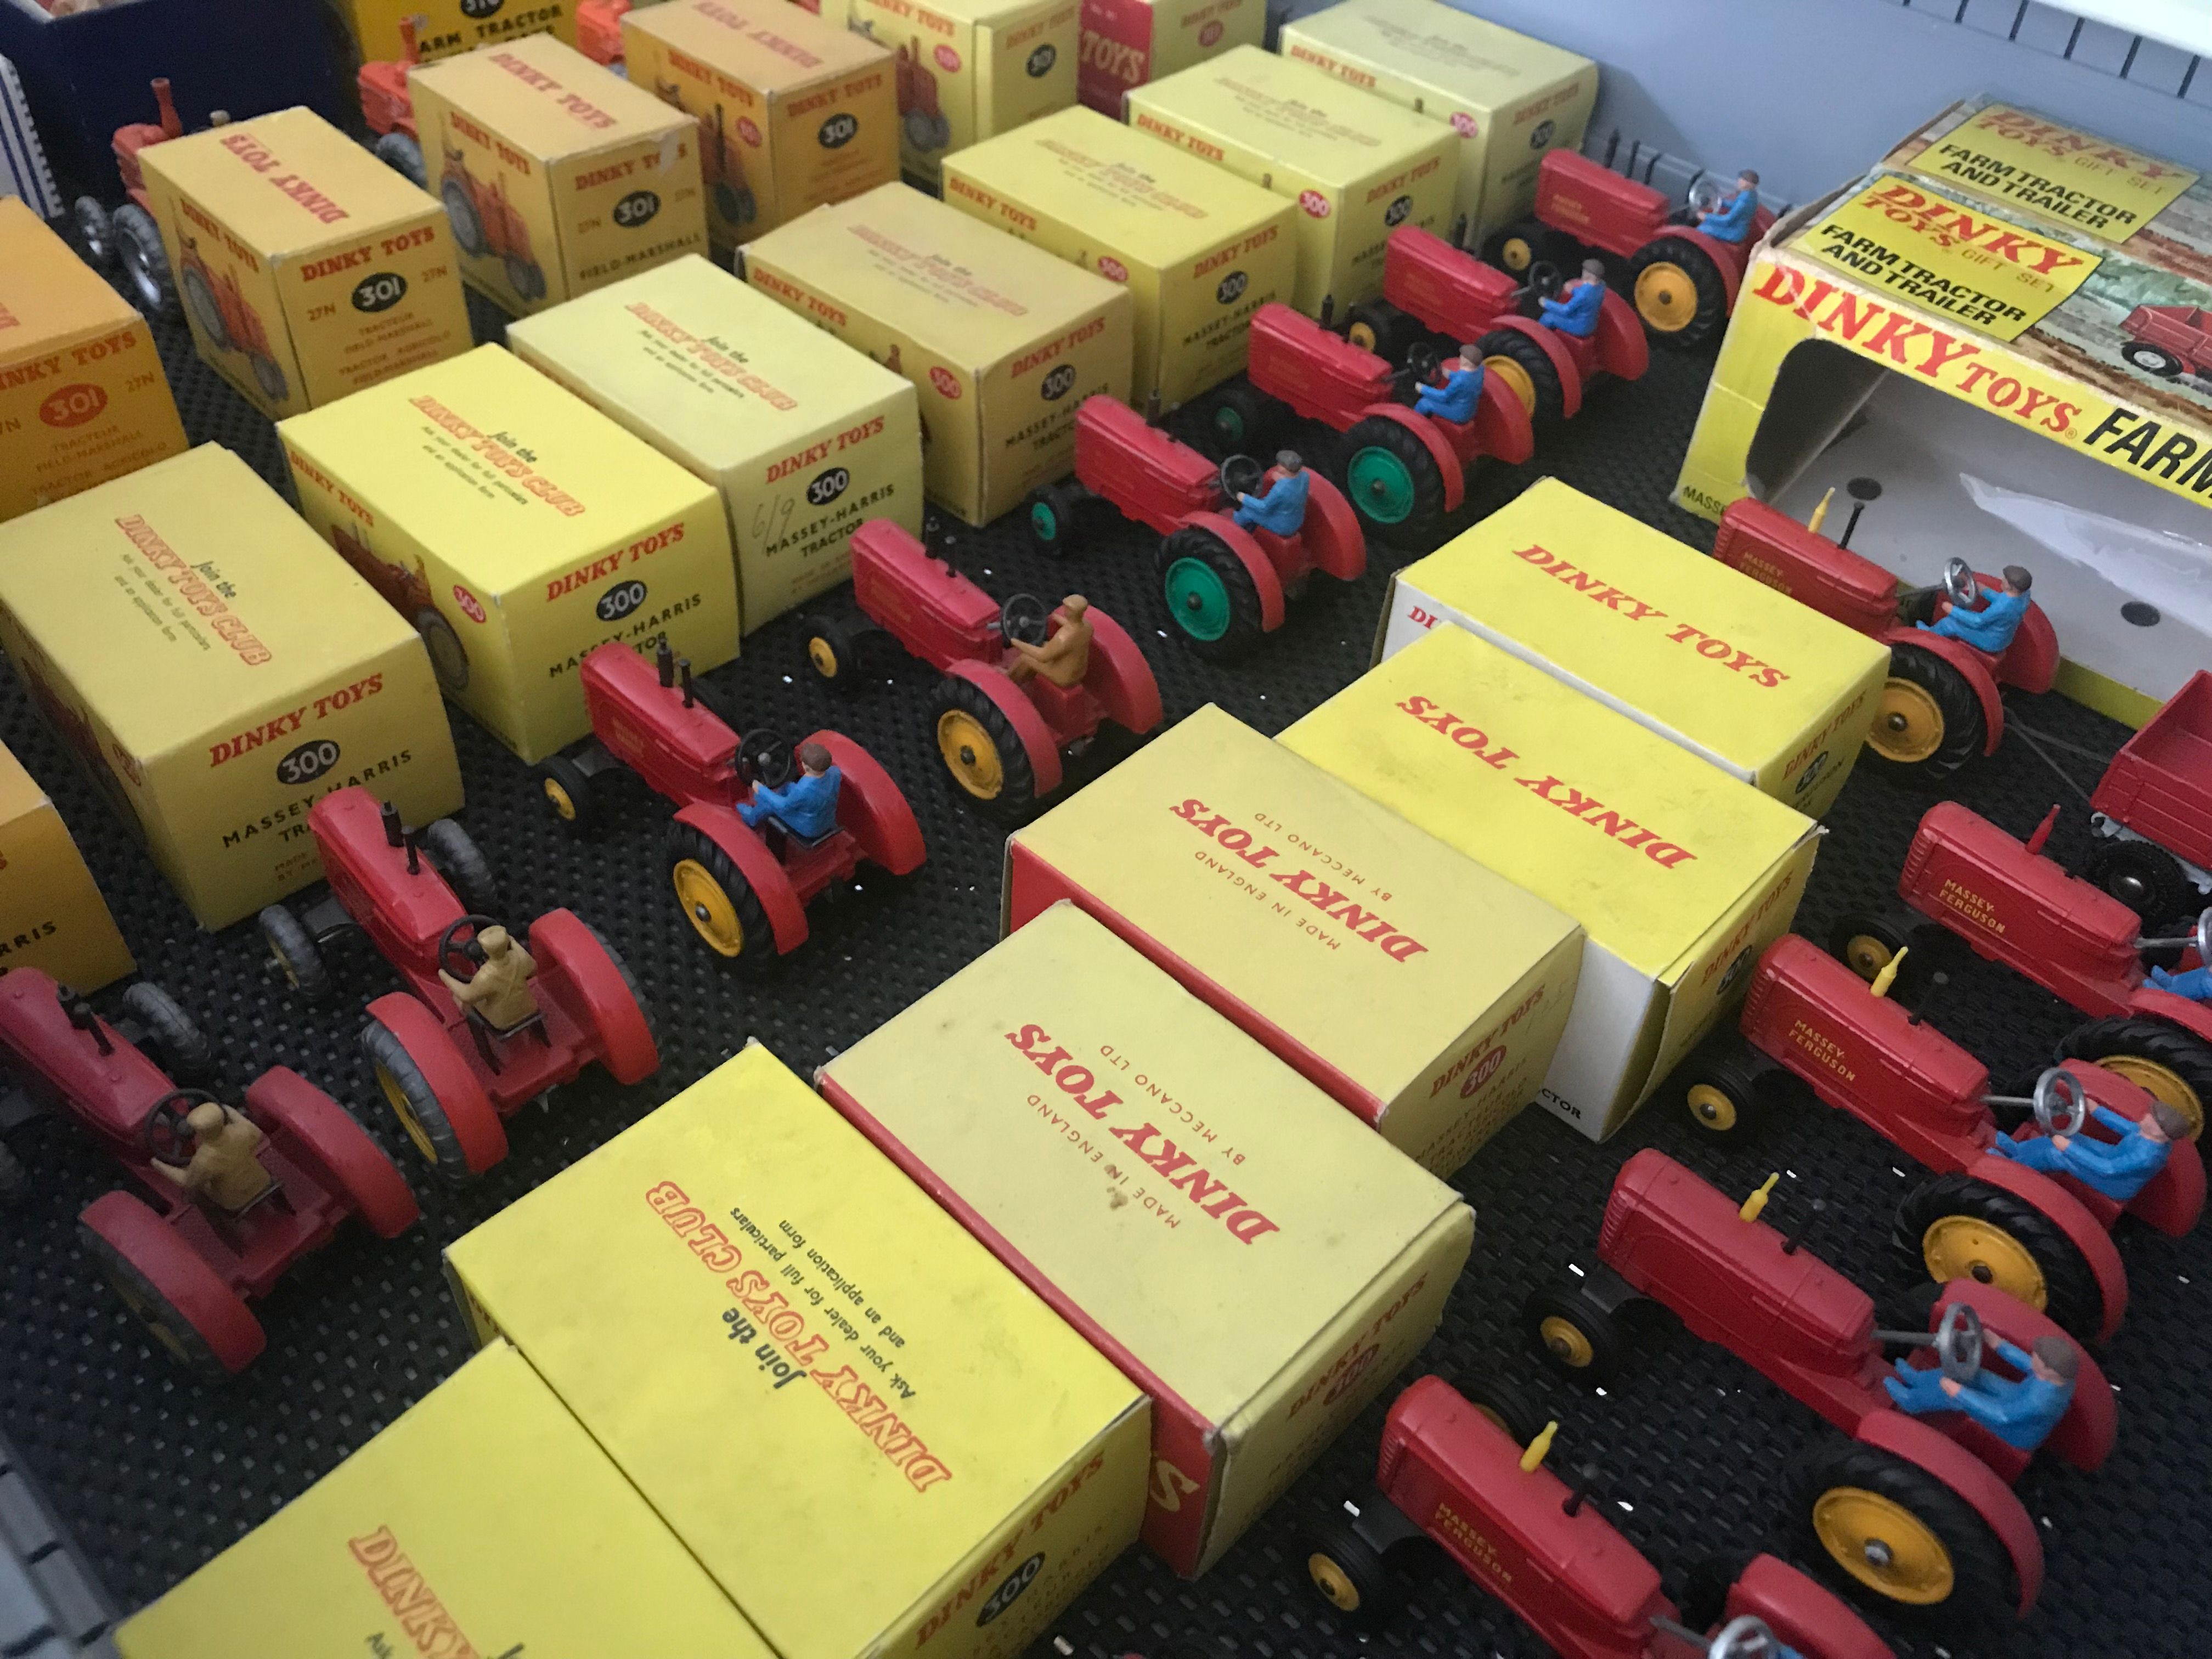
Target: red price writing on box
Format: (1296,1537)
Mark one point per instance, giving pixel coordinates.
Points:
(1314,202)
(945,381)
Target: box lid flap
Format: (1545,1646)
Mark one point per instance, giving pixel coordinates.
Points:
(769,46)
(548,98)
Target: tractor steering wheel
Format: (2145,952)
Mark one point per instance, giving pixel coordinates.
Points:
(1959,584)
(1743,1637)
(165,1136)
(1959,1343)
(1240,473)
(2061,1106)
(1704,195)
(1545,279)
(2201,935)
(467,952)
(1024,617)
(765,756)
(1421,358)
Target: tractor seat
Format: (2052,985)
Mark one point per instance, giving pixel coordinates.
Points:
(781,835)
(489,1036)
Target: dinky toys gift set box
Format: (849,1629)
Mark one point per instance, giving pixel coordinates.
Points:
(1767,689)
(1509,98)
(217,672)
(1199,249)
(51,915)
(517,528)
(1680,874)
(1126,43)
(306,267)
(82,396)
(804,437)
(1401,978)
(1356,166)
(867,1431)
(559,177)
(971,69)
(1245,1250)
(1002,341)
(484,1521)
(444,28)
(793,112)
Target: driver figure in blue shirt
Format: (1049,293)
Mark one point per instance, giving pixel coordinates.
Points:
(1283,508)
(2117,1168)
(2021,1412)
(808,805)
(1459,393)
(2196,983)
(1730,222)
(1574,310)
(1992,628)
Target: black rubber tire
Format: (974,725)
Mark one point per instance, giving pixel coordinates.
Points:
(833,649)
(403,155)
(14,1179)
(1504,1401)
(1418,525)
(1365,1570)
(395,1068)
(1711,314)
(1016,792)
(294,951)
(2072,1300)
(177,1039)
(1245,629)
(2152,359)
(1607,1343)
(2144,878)
(154,1309)
(2188,1057)
(1963,730)
(1983,1584)
(1706,1587)
(756,952)
(586,801)
(271,379)
(527,278)
(1728,1089)
(465,868)
(1543,247)
(1053,517)
(1864,940)
(1905,1308)
(91,232)
(1551,404)
(1234,419)
(142,262)
(1378,326)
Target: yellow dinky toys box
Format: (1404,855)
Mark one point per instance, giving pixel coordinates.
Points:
(1126,43)
(306,267)
(870,1434)
(51,915)
(1199,249)
(1246,1251)
(1765,688)
(484,1521)
(559,176)
(518,529)
(1357,167)
(217,672)
(970,69)
(1510,97)
(443,27)
(803,440)
(1398,977)
(82,396)
(793,112)
(1680,874)
(1002,341)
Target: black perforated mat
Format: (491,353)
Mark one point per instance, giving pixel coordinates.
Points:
(156,1472)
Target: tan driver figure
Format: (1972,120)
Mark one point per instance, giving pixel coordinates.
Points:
(223,1171)
(499,994)
(1065,658)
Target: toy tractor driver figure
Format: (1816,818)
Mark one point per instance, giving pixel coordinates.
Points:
(1730,221)
(808,805)
(224,1170)
(1063,660)
(2118,1169)
(1455,397)
(1574,309)
(1992,628)
(2021,1412)
(499,993)
(2196,983)
(1283,508)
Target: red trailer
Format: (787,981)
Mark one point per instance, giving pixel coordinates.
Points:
(2152,808)
(2169,341)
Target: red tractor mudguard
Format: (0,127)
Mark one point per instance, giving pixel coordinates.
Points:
(2085,1436)
(2067,1214)
(1972,666)
(786,916)
(1623,351)
(1254,558)
(1974,1482)
(2194,1017)
(610,1012)
(2172,1200)
(461,1095)
(1804,1614)
(1331,532)
(1449,468)
(1729,258)
(1037,740)
(1562,361)
(1119,677)
(317,1133)
(183,1279)
(1502,427)
(873,808)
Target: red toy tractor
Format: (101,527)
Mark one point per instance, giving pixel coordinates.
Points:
(1918,1510)
(1683,282)
(408,592)
(744,889)
(1453,1473)
(2152,811)
(2042,1239)
(920,117)
(2169,341)
(1943,703)
(127,237)
(387,105)
(450,1076)
(599,31)
(1001,738)
(229,324)
(2011,904)
(1401,472)
(1224,586)
(1432,292)
(187,1267)
(486,225)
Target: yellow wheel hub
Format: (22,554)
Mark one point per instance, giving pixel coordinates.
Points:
(1666,298)
(2163,1082)
(969,754)
(1515,378)
(1335,1586)
(824,656)
(1517,254)
(1867,955)
(707,907)
(564,803)
(1712,1107)
(1967,1247)
(402,1109)
(1361,336)
(147,1315)
(291,978)
(1567,1340)
(1883,1545)
(1908,727)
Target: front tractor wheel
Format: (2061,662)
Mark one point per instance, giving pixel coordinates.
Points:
(1896,1532)
(1580,1338)
(718,901)
(1234,419)
(2174,1064)
(1350,1574)
(415,1104)
(457,857)
(572,795)
(1212,601)
(833,649)
(2147,879)
(293,949)
(1392,481)
(981,752)
(2153,360)
(1524,369)
(1378,326)
(1678,292)
(1951,1227)
(1726,1088)
(1929,722)
(1055,510)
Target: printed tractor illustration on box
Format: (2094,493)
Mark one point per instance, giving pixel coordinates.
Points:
(1942,703)
(2152,811)
(1224,586)
(128,238)
(215,303)
(1915,1509)
(920,117)
(408,592)
(1810,1023)
(1001,721)
(1682,281)
(721,160)
(2010,904)
(387,105)
(486,225)
(745,888)
(1453,1473)
(456,1058)
(210,1227)
(2169,341)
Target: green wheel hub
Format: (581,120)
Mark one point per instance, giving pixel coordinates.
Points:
(1044,522)
(1229,423)
(1197,599)
(1381,485)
